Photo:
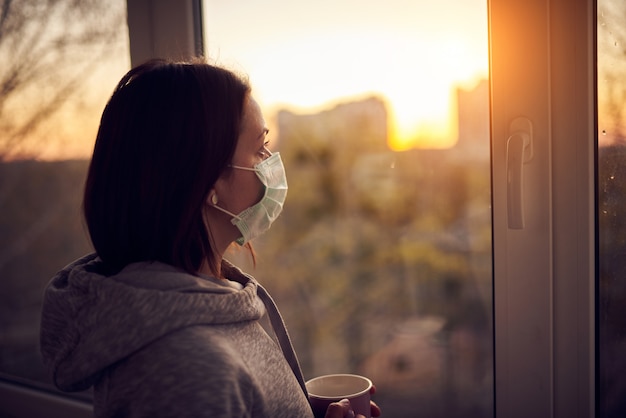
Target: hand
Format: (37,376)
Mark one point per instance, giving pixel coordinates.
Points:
(343,409)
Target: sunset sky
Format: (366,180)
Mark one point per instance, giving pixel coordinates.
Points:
(306,56)
(309,56)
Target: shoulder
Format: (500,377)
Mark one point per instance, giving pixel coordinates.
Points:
(190,354)
(192,344)
(191,372)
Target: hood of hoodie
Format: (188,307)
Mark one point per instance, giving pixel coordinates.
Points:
(90,320)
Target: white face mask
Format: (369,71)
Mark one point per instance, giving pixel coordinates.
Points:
(258,218)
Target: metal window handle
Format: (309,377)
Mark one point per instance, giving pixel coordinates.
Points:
(519,151)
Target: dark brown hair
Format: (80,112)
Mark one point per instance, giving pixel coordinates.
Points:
(166,134)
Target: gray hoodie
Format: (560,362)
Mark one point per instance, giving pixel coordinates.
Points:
(155,341)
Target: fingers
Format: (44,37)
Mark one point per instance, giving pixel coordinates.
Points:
(375,409)
(341,409)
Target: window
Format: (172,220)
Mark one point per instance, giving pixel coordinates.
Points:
(381,260)
(542,57)
(542,73)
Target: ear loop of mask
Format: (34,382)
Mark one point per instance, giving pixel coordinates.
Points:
(215,200)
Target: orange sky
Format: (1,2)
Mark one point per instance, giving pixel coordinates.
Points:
(308,55)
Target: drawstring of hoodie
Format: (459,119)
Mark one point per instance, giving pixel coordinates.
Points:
(283,337)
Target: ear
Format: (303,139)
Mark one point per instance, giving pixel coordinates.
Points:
(212,198)
(220,188)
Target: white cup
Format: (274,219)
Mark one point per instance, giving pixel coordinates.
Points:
(324,390)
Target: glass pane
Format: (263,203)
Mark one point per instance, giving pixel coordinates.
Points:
(381,262)
(611,208)
(60,62)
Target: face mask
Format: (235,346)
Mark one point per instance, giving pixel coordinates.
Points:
(258,218)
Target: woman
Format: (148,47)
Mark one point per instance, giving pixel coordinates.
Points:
(156,320)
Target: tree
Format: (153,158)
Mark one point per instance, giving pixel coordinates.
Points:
(50,50)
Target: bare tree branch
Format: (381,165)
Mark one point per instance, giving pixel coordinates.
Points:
(4,12)
(49,50)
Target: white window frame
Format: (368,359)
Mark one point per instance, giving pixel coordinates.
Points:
(543,69)
(165,29)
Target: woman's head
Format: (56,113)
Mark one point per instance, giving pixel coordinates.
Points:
(166,135)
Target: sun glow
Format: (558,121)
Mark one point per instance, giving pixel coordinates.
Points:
(412,63)
(422,100)
(434,131)
(419,87)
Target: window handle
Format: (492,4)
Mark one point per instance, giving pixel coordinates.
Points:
(519,151)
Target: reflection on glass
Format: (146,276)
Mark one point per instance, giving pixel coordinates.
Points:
(381,261)
(60,62)
(611,208)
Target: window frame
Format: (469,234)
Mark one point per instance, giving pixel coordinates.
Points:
(183,35)
(543,69)
(22,398)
